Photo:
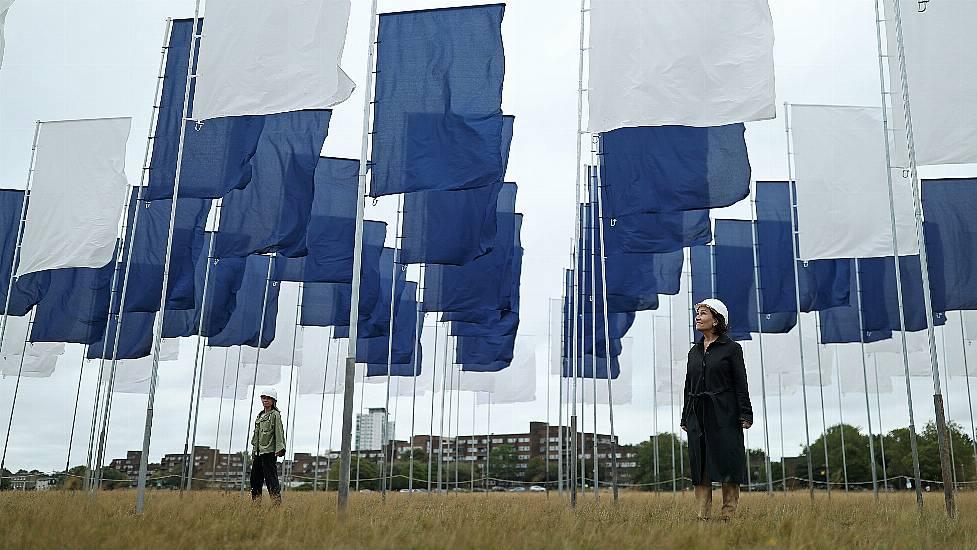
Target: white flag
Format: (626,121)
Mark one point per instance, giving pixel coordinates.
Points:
(842,191)
(517,382)
(77,196)
(941,53)
(4,6)
(685,62)
(259,57)
(286,349)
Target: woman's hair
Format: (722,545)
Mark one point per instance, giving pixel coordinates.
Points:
(722,327)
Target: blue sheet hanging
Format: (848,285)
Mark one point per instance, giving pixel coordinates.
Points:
(75,307)
(951,241)
(454,227)
(135,338)
(373,351)
(27,289)
(438,112)
(673,168)
(245,322)
(272,213)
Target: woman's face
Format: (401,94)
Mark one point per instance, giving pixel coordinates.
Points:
(267,402)
(705,321)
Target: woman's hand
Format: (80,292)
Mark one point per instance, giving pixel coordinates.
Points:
(280,453)
(746,424)
(683,428)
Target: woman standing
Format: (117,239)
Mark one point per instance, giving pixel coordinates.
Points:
(267,443)
(716,411)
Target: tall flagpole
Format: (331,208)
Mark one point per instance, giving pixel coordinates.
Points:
(13,402)
(966,373)
(824,419)
(794,233)
(390,350)
(878,411)
(654,400)
(293,390)
(763,376)
(434,388)
(868,410)
(230,435)
(591,205)
(671,388)
(322,406)
(74,411)
(841,423)
(941,429)
(158,326)
(220,412)
(354,313)
(416,360)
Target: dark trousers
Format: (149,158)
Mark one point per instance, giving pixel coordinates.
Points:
(264,470)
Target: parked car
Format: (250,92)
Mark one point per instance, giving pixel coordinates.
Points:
(537,489)
(517,489)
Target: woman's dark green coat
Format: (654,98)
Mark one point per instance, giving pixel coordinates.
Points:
(717,400)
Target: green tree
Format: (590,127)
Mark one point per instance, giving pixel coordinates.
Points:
(114,479)
(503,463)
(644,472)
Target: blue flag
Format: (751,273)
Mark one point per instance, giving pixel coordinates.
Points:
(951,241)
(586,368)
(28,289)
(135,338)
(454,227)
(245,322)
(216,155)
(75,307)
(272,213)
(736,282)
(438,113)
(673,168)
(374,351)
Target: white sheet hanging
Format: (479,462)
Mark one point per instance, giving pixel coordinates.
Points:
(77,196)
(941,53)
(259,57)
(685,62)
(280,352)
(842,191)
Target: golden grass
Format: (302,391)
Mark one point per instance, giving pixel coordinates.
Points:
(640,520)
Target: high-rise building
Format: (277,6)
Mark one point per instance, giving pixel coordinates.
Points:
(370,429)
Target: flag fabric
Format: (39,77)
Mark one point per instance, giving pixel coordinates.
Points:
(823,283)
(657,232)
(75,307)
(272,213)
(260,58)
(374,350)
(951,241)
(286,349)
(701,266)
(148,244)
(673,168)
(27,290)
(840,325)
(223,282)
(840,163)
(941,51)
(688,62)
(517,384)
(18,356)
(78,194)
(331,228)
(454,227)
(736,283)
(4,8)
(246,321)
(216,155)
(437,121)
(135,338)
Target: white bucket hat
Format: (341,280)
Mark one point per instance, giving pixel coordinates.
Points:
(270,392)
(717,306)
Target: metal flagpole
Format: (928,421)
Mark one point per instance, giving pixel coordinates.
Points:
(878,410)
(794,234)
(759,320)
(654,401)
(780,406)
(549,361)
(473,443)
(579,135)
(868,410)
(841,423)
(488,448)
(457,425)
(359,451)
(824,420)
(354,313)
(230,436)
(941,429)
(434,387)
(386,438)
(13,402)
(610,394)
(257,357)
(158,326)
(322,406)
(293,401)
(671,386)
(949,408)
(332,414)
(593,322)
(189,444)
(913,444)
(416,360)
(966,373)
(74,411)
(560,384)
(220,412)
(444,391)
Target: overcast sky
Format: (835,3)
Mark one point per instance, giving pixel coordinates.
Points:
(95,58)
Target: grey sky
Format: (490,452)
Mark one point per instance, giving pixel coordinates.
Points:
(93,58)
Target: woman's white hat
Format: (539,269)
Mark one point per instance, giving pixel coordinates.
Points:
(270,392)
(717,306)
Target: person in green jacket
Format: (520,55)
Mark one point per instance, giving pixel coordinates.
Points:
(268,442)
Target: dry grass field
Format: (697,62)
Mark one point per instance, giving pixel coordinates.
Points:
(490,520)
